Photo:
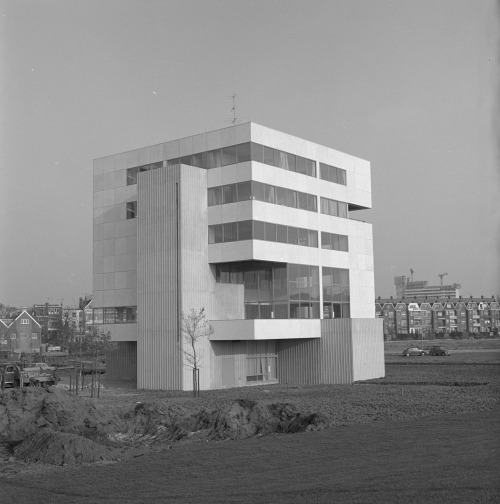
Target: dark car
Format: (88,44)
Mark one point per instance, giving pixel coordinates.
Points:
(437,350)
(413,351)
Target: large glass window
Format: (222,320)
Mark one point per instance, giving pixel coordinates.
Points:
(229,193)
(332,174)
(274,290)
(336,294)
(333,241)
(228,155)
(243,153)
(245,230)
(244,190)
(333,207)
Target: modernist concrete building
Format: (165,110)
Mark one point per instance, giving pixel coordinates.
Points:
(255,226)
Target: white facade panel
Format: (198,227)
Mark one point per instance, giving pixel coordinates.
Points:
(265,329)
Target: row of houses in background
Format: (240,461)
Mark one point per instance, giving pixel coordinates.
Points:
(454,317)
(24,331)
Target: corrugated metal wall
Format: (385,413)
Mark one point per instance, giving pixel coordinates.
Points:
(158,339)
(337,351)
(368,349)
(196,279)
(122,363)
(327,360)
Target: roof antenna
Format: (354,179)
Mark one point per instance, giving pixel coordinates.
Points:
(234,120)
(233,98)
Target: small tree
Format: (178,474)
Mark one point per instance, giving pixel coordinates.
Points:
(195,327)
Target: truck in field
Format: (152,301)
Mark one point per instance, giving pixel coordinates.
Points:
(36,375)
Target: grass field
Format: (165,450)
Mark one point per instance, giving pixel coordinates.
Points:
(424,433)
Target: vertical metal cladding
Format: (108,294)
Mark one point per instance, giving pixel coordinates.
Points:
(325,360)
(158,347)
(298,361)
(368,349)
(337,351)
(196,280)
(122,363)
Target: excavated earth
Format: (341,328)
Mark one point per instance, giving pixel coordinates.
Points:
(52,427)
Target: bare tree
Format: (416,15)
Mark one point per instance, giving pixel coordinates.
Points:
(195,327)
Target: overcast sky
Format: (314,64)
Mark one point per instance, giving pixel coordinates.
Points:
(409,85)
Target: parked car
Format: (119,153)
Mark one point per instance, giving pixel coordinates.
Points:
(43,366)
(437,350)
(413,351)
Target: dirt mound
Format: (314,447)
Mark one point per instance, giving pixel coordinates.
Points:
(241,419)
(60,448)
(53,427)
(25,411)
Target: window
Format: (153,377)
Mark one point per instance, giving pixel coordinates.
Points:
(258,191)
(230,231)
(293,235)
(229,193)
(243,153)
(333,241)
(281,196)
(336,293)
(25,321)
(269,196)
(244,190)
(258,230)
(214,159)
(302,200)
(13,335)
(34,335)
(131,313)
(132,176)
(24,335)
(131,209)
(335,208)
(228,155)
(215,196)
(244,230)
(281,234)
(291,198)
(270,232)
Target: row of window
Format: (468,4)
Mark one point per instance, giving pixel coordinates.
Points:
(116,315)
(333,207)
(332,174)
(23,335)
(259,230)
(249,151)
(253,190)
(332,241)
(244,191)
